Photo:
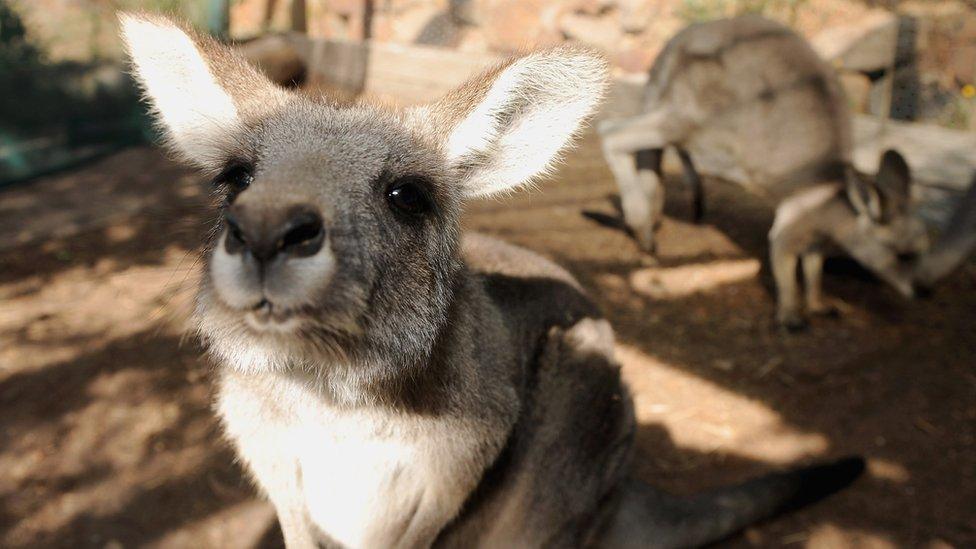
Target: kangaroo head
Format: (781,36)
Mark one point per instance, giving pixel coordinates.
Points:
(884,209)
(339,238)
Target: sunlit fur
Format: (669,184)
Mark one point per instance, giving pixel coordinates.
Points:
(497,150)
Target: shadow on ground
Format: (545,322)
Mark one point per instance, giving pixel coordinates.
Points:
(110,438)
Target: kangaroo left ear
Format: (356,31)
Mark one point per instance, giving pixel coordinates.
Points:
(508,125)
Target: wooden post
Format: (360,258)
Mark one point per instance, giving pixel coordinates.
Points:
(887,94)
(218,18)
(298,16)
(368,12)
(269,10)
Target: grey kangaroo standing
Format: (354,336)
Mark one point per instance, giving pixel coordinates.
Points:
(388,382)
(753,90)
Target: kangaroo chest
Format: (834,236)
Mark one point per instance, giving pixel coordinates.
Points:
(364,478)
(367,485)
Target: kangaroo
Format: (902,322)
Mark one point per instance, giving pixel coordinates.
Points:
(387,381)
(758,93)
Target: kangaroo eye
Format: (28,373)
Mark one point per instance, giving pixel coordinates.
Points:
(407,195)
(236,178)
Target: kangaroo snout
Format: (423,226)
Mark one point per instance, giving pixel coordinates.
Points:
(908,257)
(295,232)
(271,257)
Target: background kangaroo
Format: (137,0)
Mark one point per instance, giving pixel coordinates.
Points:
(755,91)
(387,382)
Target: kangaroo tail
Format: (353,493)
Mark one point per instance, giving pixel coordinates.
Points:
(648,518)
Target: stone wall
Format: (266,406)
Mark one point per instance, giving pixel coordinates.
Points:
(936,40)
(936,66)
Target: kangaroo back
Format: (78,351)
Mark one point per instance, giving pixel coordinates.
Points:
(753,94)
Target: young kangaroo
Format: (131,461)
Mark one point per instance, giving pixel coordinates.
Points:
(388,382)
(757,93)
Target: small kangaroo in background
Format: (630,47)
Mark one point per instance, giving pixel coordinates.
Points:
(388,382)
(756,91)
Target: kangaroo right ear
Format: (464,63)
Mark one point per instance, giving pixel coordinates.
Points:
(894,181)
(506,126)
(199,90)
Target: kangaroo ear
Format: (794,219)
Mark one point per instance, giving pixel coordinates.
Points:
(508,125)
(863,196)
(894,181)
(200,91)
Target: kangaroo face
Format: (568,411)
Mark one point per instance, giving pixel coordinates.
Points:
(334,220)
(339,230)
(886,218)
(905,236)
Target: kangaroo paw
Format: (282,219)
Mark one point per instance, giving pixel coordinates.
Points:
(792,322)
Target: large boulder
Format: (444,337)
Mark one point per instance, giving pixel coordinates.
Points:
(603,32)
(467,12)
(865,45)
(518,25)
(636,15)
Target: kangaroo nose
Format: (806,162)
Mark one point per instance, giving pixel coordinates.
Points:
(297,233)
(907,257)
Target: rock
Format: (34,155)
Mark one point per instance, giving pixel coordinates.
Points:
(635,15)
(472,39)
(342,19)
(594,7)
(937,156)
(441,30)
(466,12)
(602,32)
(489,13)
(636,59)
(866,45)
(518,25)
(406,22)
(346,7)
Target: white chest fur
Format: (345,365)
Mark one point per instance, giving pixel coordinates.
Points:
(364,477)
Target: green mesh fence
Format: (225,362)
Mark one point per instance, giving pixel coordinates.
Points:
(58,113)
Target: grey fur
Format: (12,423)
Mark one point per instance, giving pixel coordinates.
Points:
(755,90)
(955,245)
(409,387)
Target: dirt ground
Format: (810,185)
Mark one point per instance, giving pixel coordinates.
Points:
(107,438)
